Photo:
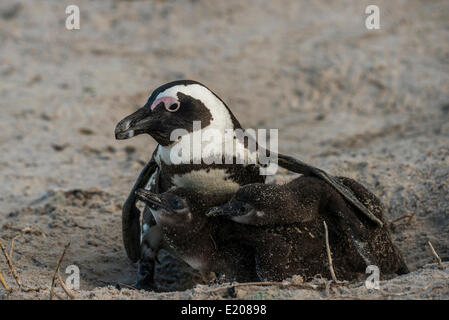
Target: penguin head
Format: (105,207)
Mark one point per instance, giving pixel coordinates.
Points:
(250,200)
(176,105)
(178,208)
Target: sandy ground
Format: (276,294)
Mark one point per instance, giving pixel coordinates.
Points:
(371,105)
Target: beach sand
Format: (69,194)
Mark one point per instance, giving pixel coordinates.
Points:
(372,105)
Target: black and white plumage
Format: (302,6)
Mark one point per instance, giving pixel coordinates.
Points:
(194,102)
(173,106)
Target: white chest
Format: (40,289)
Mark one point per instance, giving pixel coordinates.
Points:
(206,181)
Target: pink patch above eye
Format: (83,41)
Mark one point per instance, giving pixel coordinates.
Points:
(168,102)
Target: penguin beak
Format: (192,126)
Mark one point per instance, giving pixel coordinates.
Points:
(233,208)
(225,210)
(152,198)
(139,122)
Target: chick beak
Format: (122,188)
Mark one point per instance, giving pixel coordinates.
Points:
(219,211)
(150,197)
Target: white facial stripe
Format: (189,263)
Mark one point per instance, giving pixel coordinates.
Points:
(221,118)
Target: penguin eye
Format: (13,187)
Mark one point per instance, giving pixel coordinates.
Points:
(176,204)
(241,208)
(173,107)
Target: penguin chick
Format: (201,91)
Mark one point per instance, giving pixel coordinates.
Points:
(192,237)
(300,201)
(246,252)
(310,201)
(272,251)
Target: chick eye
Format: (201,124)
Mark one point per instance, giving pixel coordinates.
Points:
(173,107)
(176,204)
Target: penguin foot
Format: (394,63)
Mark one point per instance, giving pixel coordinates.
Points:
(145,276)
(143,284)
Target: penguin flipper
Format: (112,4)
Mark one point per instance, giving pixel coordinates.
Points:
(298,166)
(131,215)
